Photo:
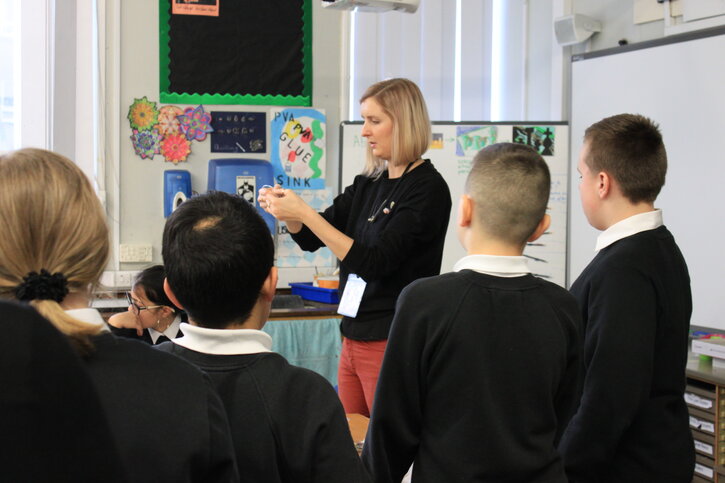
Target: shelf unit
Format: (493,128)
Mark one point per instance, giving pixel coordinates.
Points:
(705,397)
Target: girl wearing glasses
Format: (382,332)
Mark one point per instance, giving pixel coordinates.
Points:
(151,316)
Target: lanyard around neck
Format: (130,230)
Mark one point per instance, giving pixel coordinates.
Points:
(375,212)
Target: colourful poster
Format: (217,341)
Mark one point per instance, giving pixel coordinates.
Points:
(291,255)
(541,138)
(471,139)
(297,136)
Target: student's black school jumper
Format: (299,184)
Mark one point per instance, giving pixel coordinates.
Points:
(396,248)
(480,377)
(52,425)
(632,424)
(169,423)
(287,423)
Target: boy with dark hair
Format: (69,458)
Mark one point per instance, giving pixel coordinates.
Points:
(482,369)
(632,422)
(287,423)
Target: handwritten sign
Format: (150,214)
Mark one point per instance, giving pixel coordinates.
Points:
(298,147)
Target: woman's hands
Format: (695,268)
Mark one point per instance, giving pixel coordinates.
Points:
(285,205)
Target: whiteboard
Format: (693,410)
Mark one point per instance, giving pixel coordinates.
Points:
(452,151)
(680,83)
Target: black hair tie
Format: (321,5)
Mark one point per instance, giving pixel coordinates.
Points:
(42,286)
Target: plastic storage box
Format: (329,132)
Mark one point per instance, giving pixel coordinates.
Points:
(309,292)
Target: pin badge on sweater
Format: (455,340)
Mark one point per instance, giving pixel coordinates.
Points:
(351,296)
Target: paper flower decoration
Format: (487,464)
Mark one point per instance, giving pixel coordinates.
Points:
(146,143)
(195,123)
(143,114)
(175,148)
(168,122)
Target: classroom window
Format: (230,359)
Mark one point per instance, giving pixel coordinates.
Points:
(48,77)
(469,57)
(8,73)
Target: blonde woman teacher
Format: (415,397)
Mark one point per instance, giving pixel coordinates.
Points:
(387,229)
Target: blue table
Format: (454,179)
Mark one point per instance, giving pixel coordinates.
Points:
(311,343)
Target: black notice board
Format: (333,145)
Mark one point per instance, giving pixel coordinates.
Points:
(253,52)
(238,132)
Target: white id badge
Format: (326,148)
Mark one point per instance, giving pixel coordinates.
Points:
(351,296)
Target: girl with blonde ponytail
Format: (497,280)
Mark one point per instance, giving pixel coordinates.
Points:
(55,239)
(167,422)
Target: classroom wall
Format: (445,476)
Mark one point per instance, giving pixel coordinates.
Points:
(135,186)
(139,181)
(617,17)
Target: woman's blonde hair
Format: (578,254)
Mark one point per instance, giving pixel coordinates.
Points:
(402,100)
(52,221)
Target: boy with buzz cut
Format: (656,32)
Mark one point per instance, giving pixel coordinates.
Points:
(287,422)
(632,423)
(482,369)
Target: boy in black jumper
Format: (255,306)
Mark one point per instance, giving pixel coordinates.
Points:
(482,368)
(632,423)
(287,423)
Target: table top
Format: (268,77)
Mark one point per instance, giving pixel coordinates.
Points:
(704,370)
(312,309)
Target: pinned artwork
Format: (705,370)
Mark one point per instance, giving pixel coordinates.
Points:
(142,114)
(168,120)
(541,138)
(168,130)
(146,143)
(195,123)
(175,148)
(298,147)
(471,139)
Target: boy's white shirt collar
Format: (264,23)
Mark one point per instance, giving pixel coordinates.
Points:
(498,266)
(90,316)
(170,331)
(224,342)
(628,227)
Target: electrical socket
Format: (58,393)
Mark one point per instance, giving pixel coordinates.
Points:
(123,279)
(135,253)
(108,279)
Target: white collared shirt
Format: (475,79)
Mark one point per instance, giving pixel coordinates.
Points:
(628,227)
(498,266)
(225,342)
(89,316)
(170,331)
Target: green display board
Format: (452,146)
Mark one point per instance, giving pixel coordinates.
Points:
(235,52)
